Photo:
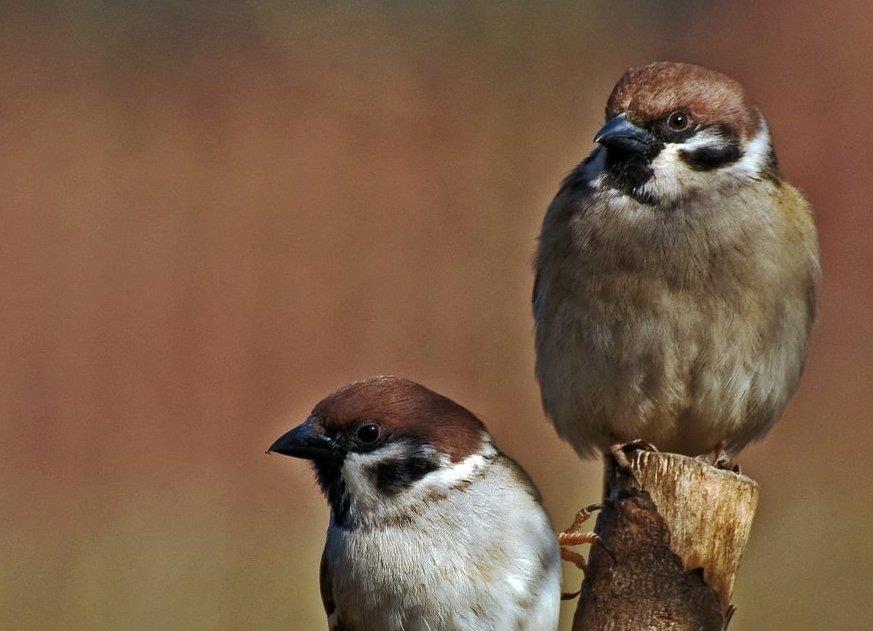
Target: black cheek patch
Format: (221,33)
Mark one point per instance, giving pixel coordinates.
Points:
(709,158)
(393,476)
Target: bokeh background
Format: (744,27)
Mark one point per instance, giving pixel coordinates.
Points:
(214,213)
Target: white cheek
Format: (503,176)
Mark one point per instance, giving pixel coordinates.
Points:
(673,179)
(356,473)
(757,154)
(371,504)
(450,475)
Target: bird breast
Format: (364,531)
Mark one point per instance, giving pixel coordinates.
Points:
(482,557)
(671,325)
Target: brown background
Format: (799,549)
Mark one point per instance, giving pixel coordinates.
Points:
(215,213)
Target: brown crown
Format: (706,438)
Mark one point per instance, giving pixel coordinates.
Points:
(403,407)
(653,91)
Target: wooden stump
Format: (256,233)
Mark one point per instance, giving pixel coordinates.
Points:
(673,529)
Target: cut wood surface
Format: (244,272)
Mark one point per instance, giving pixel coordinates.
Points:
(672,532)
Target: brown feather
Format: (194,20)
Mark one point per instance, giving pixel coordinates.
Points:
(404,407)
(653,91)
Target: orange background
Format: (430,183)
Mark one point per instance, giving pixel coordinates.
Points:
(214,213)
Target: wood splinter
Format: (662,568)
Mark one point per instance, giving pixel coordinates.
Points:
(671,532)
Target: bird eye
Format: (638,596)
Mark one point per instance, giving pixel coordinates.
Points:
(678,121)
(368,433)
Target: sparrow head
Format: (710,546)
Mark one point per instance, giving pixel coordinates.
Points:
(381,444)
(676,130)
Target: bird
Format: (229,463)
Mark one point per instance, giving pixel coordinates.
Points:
(676,273)
(431,526)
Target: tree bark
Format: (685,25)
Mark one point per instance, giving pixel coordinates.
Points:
(672,530)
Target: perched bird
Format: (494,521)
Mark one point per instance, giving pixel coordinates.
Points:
(675,274)
(431,527)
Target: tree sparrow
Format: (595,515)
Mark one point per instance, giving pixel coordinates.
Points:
(676,273)
(431,527)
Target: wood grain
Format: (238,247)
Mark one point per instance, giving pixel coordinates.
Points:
(673,529)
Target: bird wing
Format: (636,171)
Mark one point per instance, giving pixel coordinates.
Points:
(553,236)
(326,585)
(800,217)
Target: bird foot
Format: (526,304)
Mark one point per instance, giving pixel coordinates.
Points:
(575,536)
(570,595)
(575,558)
(723,461)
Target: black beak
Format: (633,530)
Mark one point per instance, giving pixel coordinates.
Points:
(622,134)
(304,441)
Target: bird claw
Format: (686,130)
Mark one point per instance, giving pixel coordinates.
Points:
(724,462)
(721,459)
(575,535)
(575,558)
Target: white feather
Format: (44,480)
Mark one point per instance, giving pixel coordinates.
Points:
(466,547)
(674,180)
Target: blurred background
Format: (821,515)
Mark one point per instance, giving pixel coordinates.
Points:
(214,213)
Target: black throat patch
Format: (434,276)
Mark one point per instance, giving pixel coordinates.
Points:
(329,476)
(628,172)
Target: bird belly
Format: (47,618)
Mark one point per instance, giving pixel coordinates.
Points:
(683,369)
